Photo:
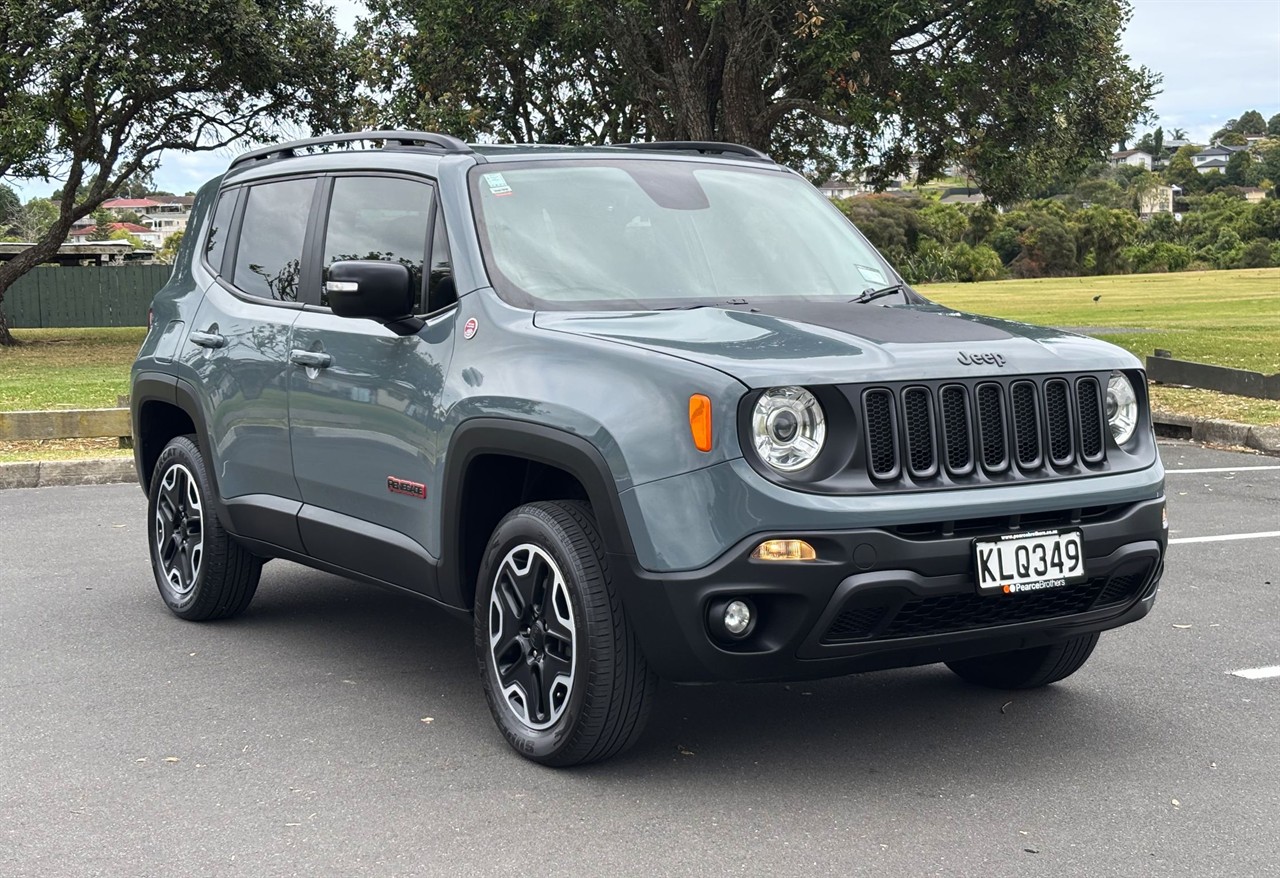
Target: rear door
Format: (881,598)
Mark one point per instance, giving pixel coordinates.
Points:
(238,347)
(365,423)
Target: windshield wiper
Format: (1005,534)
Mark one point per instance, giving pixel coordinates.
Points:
(870,295)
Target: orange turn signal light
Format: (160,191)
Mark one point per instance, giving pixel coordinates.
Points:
(700,421)
(784,550)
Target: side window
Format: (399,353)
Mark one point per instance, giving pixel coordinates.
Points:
(269,257)
(216,244)
(440,288)
(382,218)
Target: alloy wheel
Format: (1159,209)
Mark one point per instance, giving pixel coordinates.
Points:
(179,529)
(532,636)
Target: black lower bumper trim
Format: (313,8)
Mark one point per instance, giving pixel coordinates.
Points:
(903,601)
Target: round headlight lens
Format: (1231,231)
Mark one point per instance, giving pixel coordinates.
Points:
(1122,408)
(788,428)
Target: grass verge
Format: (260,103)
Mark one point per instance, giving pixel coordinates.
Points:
(67,368)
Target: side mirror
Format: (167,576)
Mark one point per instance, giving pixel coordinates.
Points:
(381,291)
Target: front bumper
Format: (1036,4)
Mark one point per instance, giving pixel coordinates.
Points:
(889,597)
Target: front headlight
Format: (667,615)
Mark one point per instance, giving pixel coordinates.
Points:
(1122,408)
(788,428)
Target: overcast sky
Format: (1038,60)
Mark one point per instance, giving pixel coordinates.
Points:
(1218,57)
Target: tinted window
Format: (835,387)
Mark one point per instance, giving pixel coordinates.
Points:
(380,218)
(216,244)
(440,288)
(269,258)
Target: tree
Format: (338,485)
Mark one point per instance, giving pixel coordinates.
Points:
(169,249)
(1158,143)
(1273,125)
(10,207)
(1238,166)
(92,91)
(101,225)
(1016,91)
(1231,138)
(1178,134)
(31,222)
(1251,123)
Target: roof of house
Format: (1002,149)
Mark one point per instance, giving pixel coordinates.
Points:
(1212,163)
(129,203)
(1221,149)
(1130,152)
(836,183)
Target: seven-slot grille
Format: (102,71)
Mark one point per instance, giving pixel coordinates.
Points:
(1021,425)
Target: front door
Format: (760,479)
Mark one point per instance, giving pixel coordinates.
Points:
(365,403)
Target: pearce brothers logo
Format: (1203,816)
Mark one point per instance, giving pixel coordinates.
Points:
(976,359)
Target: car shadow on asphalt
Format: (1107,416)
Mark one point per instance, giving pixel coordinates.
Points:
(919,729)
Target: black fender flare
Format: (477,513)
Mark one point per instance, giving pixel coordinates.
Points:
(546,445)
(171,390)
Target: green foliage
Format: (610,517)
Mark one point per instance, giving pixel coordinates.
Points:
(1021,93)
(1238,168)
(1273,125)
(1256,254)
(168,251)
(123,235)
(102,220)
(1251,122)
(1158,257)
(1232,138)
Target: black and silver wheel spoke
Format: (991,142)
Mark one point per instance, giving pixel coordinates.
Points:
(179,529)
(532,636)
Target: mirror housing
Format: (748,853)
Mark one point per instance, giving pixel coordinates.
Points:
(379,291)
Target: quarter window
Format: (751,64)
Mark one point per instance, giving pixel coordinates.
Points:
(269,258)
(216,244)
(380,218)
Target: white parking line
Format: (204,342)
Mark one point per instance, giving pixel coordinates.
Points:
(1220,469)
(1225,537)
(1257,673)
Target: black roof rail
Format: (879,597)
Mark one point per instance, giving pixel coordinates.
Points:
(706,147)
(443,142)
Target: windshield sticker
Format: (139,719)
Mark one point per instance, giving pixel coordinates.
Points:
(497,184)
(872,274)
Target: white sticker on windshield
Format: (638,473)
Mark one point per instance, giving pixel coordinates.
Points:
(497,184)
(872,274)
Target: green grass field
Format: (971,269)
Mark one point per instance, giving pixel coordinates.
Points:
(67,368)
(1229,318)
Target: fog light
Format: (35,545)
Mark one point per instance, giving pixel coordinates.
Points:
(784,550)
(737,618)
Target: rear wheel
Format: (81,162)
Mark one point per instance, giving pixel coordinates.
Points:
(561,670)
(201,571)
(1027,668)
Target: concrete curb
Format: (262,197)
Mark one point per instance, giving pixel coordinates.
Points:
(116,470)
(51,473)
(1217,432)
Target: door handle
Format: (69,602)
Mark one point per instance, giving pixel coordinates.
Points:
(310,359)
(207,339)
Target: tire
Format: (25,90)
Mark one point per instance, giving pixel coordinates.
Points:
(201,571)
(562,672)
(1027,668)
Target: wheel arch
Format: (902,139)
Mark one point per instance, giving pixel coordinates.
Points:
(164,407)
(485,460)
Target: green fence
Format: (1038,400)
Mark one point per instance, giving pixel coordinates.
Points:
(109,295)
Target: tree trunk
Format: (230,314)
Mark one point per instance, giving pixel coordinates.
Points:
(6,337)
(25,261)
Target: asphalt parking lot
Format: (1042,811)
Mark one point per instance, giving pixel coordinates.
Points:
(337,729)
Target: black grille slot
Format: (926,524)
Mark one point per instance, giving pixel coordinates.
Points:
(991,435)
(882,449)
(1057,404)
(918,417)
(966,611)
(1089,399)
(1026,424)
(855,623)
(955,429)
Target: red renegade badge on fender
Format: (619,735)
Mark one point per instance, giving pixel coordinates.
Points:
(406,487)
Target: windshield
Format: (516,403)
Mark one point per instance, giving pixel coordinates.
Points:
(644,234)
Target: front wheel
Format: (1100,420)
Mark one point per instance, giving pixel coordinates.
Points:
(201,571)
(562,672)
(1027,668)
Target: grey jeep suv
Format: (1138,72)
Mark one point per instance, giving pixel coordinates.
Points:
(646,411)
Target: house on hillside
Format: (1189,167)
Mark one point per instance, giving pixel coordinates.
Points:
(1253,194)
(166,222)
(962,195)
(117,207)
(1214,157)
(1134,157)
(1158,200)
(149,237)
(837,187)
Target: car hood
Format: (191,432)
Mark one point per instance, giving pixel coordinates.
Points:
(844,343)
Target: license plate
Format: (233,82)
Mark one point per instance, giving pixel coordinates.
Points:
(1029,562)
